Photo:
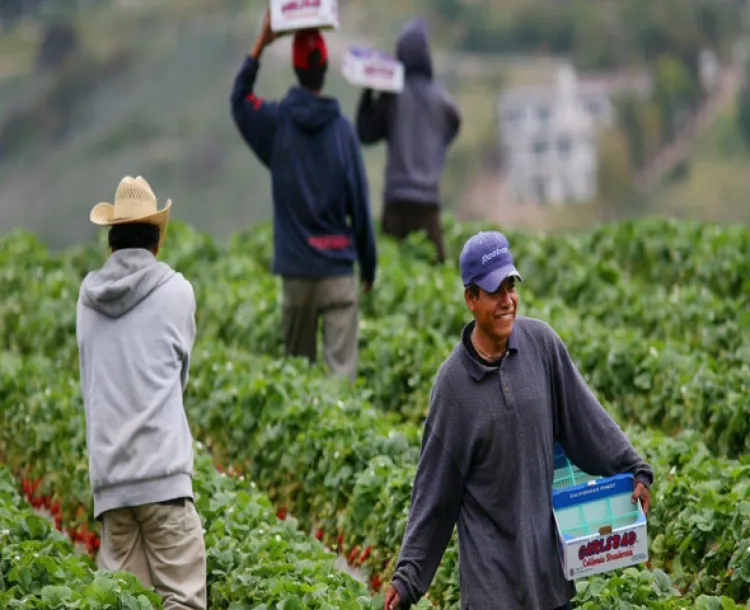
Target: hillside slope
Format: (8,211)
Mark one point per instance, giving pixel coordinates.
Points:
(165,114)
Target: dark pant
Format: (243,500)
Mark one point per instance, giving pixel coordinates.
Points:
(565,607)
(404,217)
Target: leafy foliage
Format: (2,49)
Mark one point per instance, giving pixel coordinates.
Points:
(40,569)
(652,312)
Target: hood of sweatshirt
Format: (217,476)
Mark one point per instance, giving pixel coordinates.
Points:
(413,48)
(309,111)
(128,277)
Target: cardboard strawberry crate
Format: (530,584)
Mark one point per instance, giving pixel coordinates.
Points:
(566,473)
(599,528)
(292,15)
(373,69)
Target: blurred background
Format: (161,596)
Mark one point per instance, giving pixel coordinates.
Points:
(575,112)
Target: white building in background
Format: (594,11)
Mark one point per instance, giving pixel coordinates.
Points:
(548,137)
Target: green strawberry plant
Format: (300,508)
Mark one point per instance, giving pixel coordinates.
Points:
(651,311)
(39,567)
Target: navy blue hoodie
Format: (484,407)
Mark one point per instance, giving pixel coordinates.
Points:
(322,219)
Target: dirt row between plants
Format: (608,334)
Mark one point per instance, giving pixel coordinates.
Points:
(341,562)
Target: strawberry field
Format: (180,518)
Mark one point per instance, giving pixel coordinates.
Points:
(294,467)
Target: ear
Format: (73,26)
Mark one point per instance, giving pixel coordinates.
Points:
(471,300)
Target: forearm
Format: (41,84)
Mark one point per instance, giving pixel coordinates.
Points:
(597,445)
(257,49)
(435,505)
(587,432)
(371,117)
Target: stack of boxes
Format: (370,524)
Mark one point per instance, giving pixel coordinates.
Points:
(599,528)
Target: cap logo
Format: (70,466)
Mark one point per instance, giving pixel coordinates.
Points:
(488,257)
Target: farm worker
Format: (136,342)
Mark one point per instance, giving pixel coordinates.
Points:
(419,124)
(501,399)
(135,325)
(321,209)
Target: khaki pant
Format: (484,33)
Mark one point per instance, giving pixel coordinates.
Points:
(334,299)
(162,546)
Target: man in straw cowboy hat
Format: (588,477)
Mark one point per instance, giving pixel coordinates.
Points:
(322,220)
(135,326)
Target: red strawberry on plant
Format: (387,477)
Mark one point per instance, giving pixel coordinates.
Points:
(90,541)
(55,509)
(319,534)
(375,582)
(365,554)
(353,555)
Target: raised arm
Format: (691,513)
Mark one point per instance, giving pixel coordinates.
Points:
(254,117)
(372,117)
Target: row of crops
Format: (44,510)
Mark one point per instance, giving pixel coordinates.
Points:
(652,312)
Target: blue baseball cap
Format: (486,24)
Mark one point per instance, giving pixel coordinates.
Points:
(486,261)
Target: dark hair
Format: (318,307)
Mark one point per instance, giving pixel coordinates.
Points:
(133,235)
(313,77)
(473,290)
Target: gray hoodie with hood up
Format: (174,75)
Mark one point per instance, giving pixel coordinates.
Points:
(419,123)
(135,327)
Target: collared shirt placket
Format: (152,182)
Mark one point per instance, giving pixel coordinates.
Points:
(505,385)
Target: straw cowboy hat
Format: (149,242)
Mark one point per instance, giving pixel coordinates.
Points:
(134,202)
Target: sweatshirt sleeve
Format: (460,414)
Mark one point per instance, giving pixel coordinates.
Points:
(188,336)
(372,117)
(358,202)
(435,505)
(588,434)
(254,117)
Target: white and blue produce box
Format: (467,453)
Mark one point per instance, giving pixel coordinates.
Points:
(599,528)
(373,69)
(292,15)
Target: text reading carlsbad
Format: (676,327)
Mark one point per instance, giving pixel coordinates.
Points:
(597,551)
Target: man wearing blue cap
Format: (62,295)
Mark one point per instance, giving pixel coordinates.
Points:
(500,401)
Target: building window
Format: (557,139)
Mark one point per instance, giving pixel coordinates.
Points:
(594,107)
(540,147)
(564,146)
(512,115)
(540,190)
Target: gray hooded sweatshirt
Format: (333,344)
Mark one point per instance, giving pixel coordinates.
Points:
(419,123)
(136,327)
